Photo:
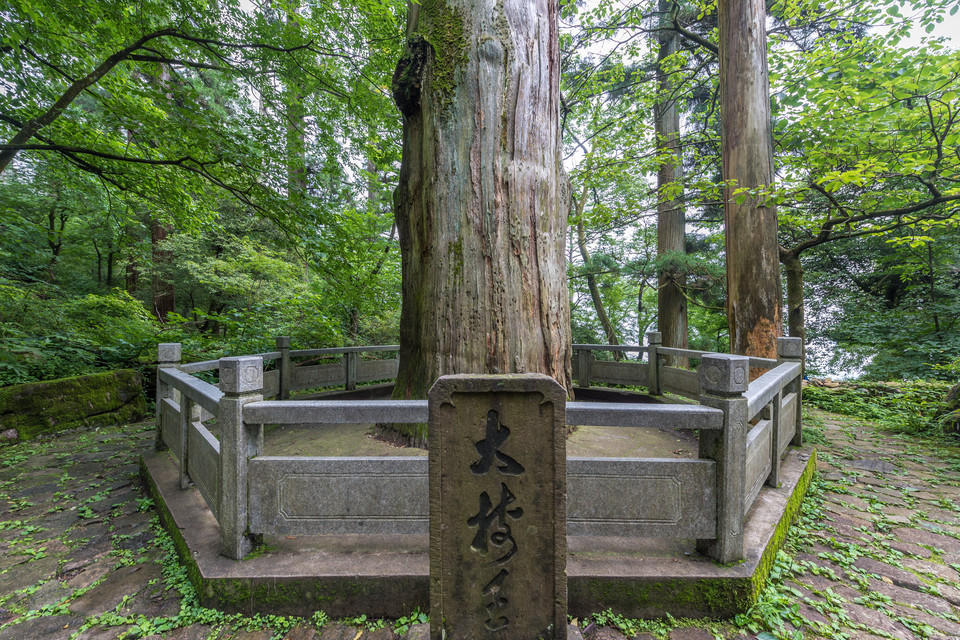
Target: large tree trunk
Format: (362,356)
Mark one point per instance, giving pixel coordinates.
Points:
(753,268)
(482,200)
(671,281)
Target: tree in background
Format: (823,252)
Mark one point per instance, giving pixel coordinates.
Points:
(172,119)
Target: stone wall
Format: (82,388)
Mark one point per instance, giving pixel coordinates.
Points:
(96,400)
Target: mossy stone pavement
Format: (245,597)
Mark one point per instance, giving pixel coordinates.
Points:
(876,553)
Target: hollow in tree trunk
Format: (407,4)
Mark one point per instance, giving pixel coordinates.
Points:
(482,200)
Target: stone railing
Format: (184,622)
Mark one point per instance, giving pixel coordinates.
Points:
(744,429)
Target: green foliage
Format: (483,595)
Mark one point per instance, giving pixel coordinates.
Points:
(179,175)
(404,623)
(891,306)
(45,334)
(909,406)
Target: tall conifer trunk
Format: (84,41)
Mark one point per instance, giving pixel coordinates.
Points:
(753,268)
(482,200)
(671,301)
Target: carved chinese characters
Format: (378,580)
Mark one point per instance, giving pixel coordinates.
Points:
(497,508)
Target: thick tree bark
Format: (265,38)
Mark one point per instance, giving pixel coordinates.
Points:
(56,223)
(99,262)
(671,223)
(482,200)
(753,269)
(111,261)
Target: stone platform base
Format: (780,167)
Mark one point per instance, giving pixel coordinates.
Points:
(387,576)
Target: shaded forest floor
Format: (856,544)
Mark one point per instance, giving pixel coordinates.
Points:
(876,553)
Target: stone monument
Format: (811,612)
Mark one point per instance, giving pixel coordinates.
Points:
(497,508)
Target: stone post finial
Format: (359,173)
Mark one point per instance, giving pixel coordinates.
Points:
(722,374)
(169,353)
(241,375)
(654,338)
(285,367)
(790,348)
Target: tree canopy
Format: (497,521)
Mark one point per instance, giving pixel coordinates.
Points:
(236,162)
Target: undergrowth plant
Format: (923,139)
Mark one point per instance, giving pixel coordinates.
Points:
(908,406)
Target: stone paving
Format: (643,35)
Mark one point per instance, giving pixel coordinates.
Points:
(875,555)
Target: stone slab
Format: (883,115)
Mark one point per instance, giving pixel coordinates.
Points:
(641,497)
(316,496)
(758,459)
(372,370)
(114,587)
(627,373)
(203,463)
(49,628)
(680,381)
(322,375)
(497,507)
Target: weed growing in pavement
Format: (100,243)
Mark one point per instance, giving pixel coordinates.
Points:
(661,629)
(403,624)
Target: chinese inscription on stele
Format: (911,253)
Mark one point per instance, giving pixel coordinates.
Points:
(497,508)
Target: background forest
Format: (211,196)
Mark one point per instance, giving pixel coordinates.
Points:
(217,175)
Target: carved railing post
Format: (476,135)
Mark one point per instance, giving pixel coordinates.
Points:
(189,412)
(283,346)
(654,339)
(791,350)
(584,364)
(350,370)
(723,380)
(241,380)
(168,357)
